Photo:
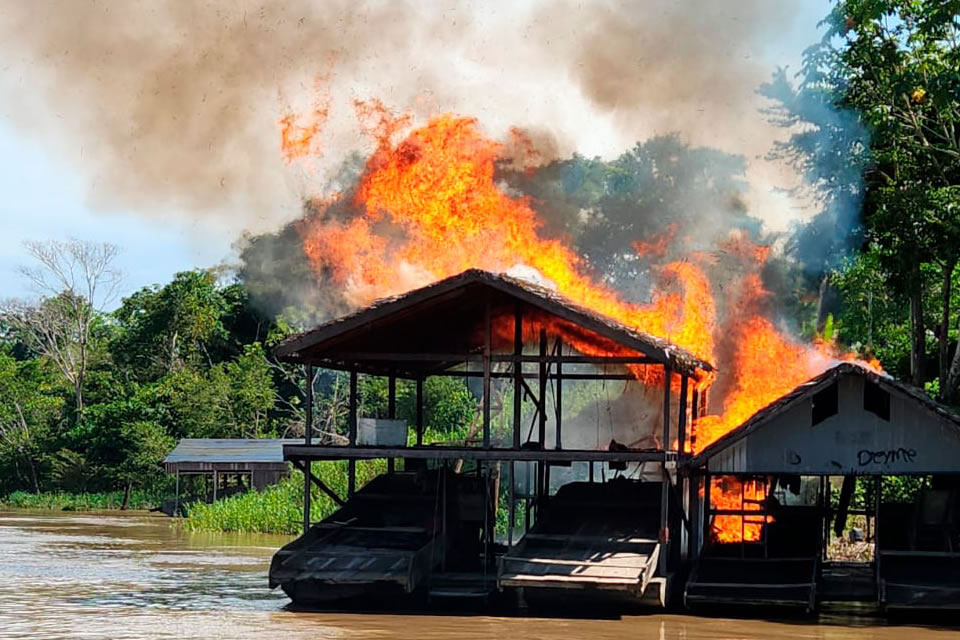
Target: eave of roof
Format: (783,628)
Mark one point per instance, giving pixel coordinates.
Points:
(228,450)
(681,360)
(809,388)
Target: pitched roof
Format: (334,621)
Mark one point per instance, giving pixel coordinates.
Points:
(808,389)
(421,303)
(219,450)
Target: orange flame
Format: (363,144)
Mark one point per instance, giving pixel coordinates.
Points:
(436,189)
(731,494)
(429,207)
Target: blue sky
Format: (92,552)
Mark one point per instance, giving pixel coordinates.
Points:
(42,197)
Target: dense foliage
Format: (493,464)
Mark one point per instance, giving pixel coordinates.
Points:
(94,394)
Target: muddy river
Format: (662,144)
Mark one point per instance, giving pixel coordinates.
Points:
(135,576)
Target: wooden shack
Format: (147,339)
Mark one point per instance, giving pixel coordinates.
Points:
(228,465)
(525,338)
(851,423)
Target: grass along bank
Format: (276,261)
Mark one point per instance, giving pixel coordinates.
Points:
(65,501)
(279,508)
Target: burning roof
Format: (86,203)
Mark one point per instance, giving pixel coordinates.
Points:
(442,317)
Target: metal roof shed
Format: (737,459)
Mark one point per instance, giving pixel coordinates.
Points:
(261,459)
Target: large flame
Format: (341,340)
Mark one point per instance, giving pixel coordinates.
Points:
(429,207)
(728,493)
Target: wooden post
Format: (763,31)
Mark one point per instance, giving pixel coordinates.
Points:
(419,411)
(682,418)
(665,489)
(216,481)
(694,415)
(176,500)
(352,464)
(558,398)
(307,439)
(706,509)
(693,511)
(542,418)
(391,410)
(486,380)
(517,374)
(512,508)
(878,493)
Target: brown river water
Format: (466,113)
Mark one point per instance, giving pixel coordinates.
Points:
(135,576)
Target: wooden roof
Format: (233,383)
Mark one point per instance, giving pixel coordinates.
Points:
(447,317)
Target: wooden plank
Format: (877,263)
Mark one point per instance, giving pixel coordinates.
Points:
(347,527)
(747,585)
(606,564)
(920,554)
(301,452)
(572,539)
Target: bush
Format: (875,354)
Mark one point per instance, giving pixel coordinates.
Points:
(279,508)
(63,501)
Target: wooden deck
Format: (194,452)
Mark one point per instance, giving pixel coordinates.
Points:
(592,536)
(377,542)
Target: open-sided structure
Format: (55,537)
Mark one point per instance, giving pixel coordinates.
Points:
(497,329)
(849,422)
(228,464)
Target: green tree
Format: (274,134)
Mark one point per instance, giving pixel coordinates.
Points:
(167,328)
(896,62)
(30,407)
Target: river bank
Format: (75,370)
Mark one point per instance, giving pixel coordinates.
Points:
(124,575)
(67,501)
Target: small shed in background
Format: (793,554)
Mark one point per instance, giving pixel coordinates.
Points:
(233,465)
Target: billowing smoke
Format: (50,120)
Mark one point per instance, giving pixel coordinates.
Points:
(171,108)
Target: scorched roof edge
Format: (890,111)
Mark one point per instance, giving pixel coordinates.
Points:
(681,360)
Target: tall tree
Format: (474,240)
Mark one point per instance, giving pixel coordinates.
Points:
(896,62)
(76,281)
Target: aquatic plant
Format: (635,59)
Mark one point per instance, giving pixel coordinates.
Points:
(279,508)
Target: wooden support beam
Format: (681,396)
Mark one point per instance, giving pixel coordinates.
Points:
(326,452)
(542,417)
(419,411)
(682,418)
(694,416)
(308,440)
(377,357)
(392,397)
(558,395)
(391,410)
(665,490)
(352,465)
(512,504)
(706,510)
(317,482)
(517,380)
(542,421)
(486,378)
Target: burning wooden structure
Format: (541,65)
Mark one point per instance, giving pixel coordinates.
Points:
(848,422)
(497,329)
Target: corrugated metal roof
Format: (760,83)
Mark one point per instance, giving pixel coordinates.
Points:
(213,450)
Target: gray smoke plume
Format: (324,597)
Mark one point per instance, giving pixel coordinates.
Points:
(170,107)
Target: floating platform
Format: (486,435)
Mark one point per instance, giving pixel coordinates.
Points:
(601,537)
(919,580)
(781,571)
(387,539)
